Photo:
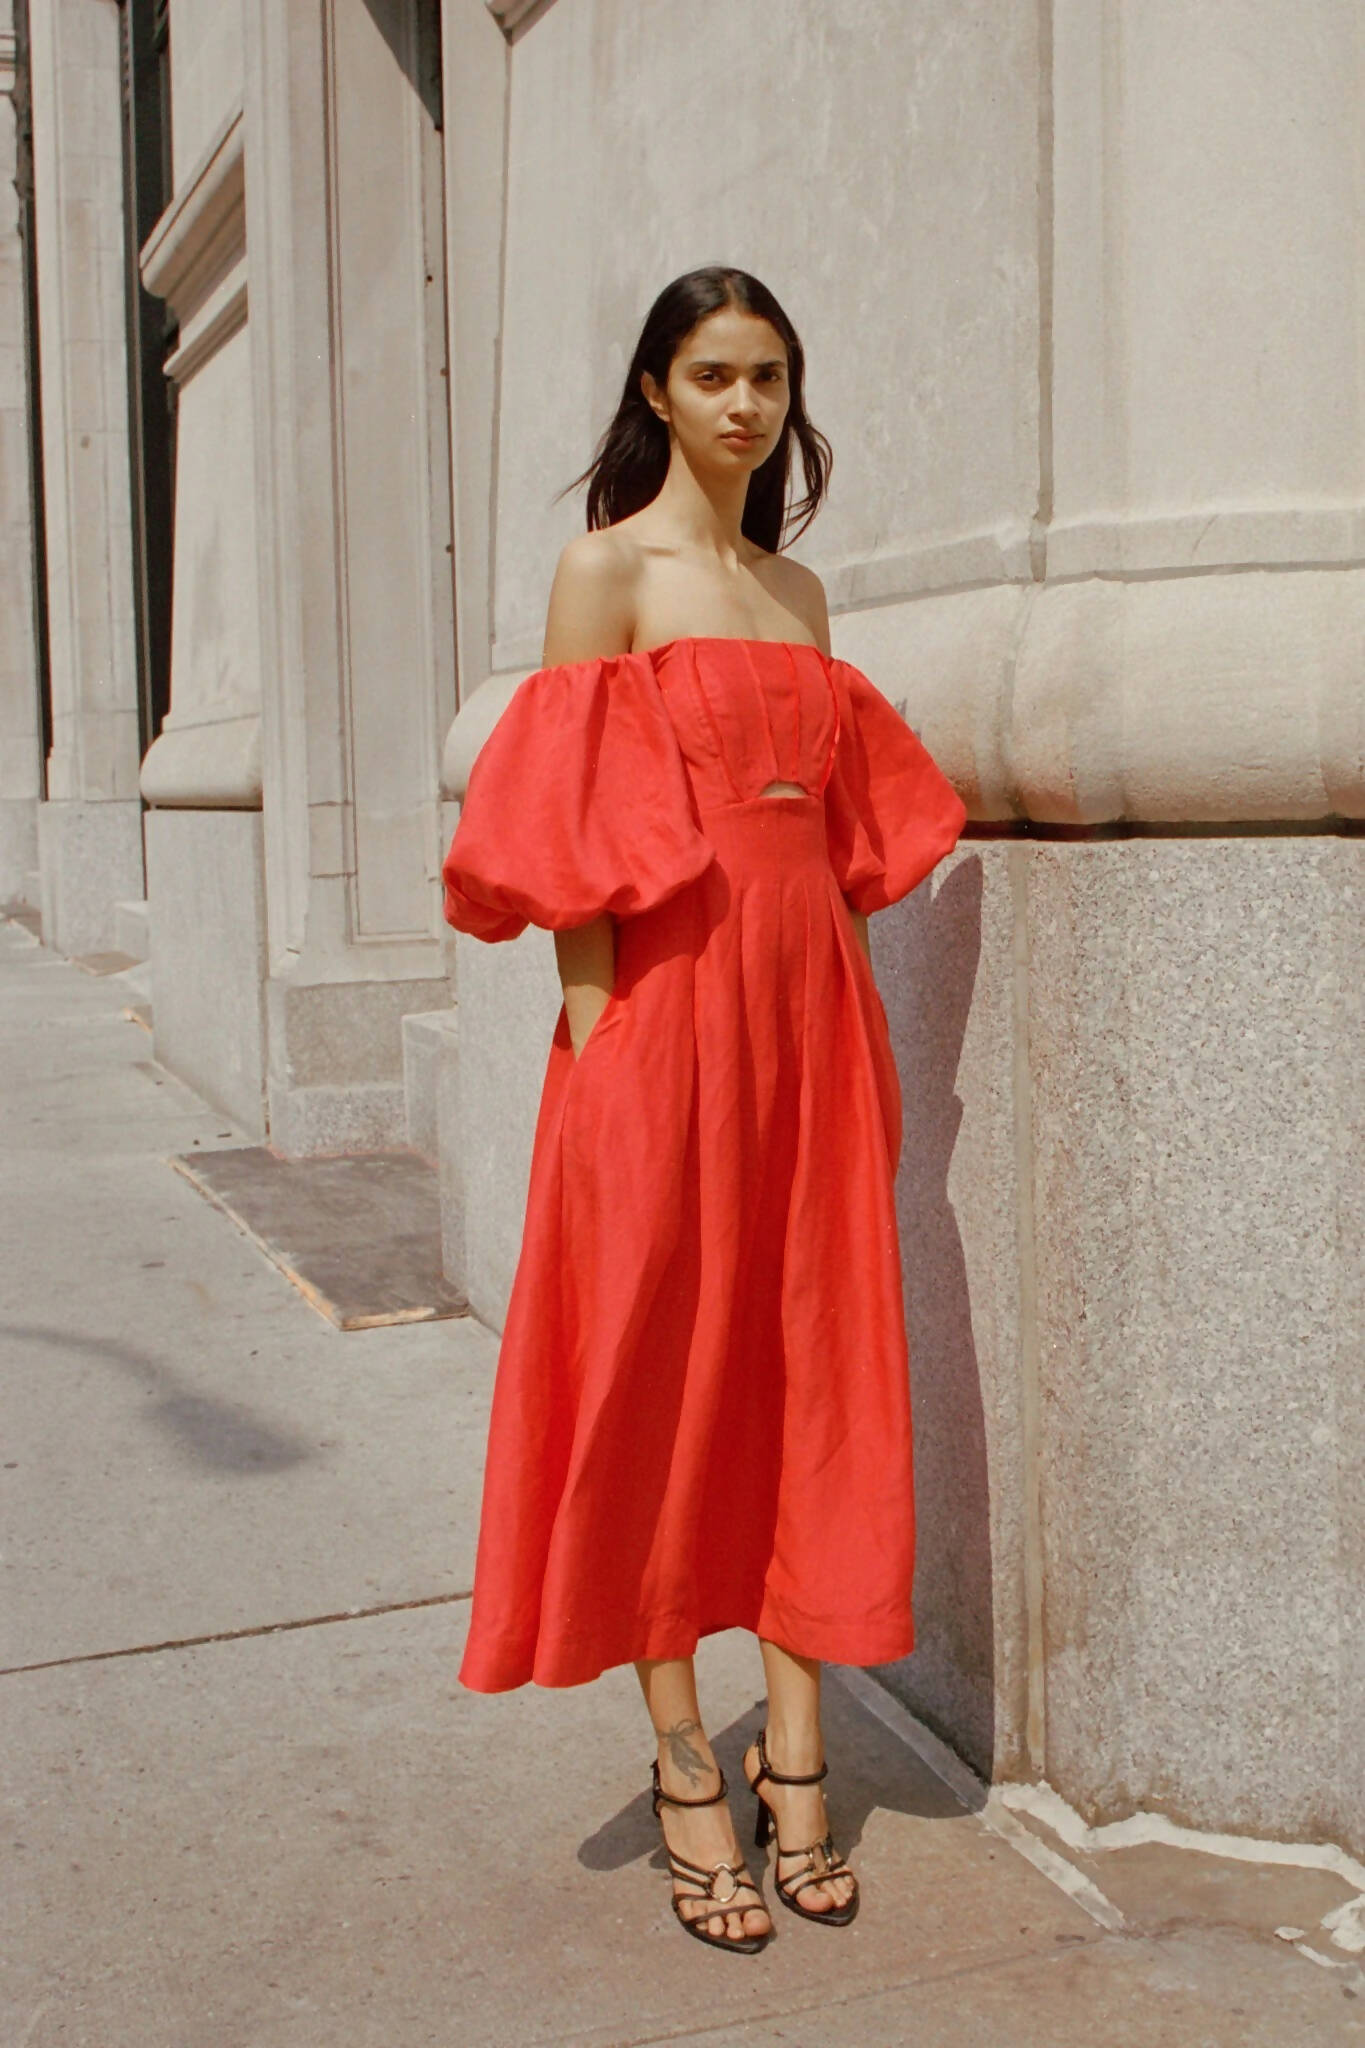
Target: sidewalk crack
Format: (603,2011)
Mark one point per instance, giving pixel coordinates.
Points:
(237,1635)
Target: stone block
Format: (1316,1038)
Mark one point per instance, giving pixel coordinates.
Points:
(359,1116)
(1194,1015)
(90,857)
(428,1041)
(337,1062)
(326,1032)
(18,847)
(132,930)
(206,909)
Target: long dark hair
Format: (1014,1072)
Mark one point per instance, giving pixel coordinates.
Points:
(631,461)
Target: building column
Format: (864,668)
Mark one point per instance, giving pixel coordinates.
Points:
(90,827)
(202,774)
(353,523)
(21,766)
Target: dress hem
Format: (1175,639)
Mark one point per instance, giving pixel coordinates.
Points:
(827,1642)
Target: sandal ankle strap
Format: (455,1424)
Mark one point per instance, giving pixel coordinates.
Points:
(670,1799)
(785,1777)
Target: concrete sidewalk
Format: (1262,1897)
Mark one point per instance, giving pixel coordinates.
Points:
(248,1804)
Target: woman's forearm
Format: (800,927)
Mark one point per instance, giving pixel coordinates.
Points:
(860,930)
(586,958)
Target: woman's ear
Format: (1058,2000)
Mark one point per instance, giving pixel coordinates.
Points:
(654,397)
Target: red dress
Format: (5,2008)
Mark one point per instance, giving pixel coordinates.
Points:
(701,1416)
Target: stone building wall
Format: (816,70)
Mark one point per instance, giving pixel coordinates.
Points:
(1078,287)
(1078,291)
(296,816)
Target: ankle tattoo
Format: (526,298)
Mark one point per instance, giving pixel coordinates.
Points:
(683,1753)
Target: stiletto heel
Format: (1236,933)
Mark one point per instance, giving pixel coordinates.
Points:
(703,1882)
(823,1861)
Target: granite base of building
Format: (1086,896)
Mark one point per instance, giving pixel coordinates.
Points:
(19,850)
(90,859)
(336,1077)
(206,912)
(1131,1198)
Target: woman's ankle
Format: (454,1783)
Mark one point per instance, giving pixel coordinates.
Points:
(796,1747)
(687,1763)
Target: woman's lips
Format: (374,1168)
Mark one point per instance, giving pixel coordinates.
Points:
(740,440)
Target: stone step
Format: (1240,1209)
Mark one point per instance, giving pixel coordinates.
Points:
(132,930)
(428,1040)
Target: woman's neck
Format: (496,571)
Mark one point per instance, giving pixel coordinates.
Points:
(703,518)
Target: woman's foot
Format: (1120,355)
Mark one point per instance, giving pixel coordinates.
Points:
(704,1835)
(799,1815)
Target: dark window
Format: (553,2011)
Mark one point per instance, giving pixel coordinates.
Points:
(147,189)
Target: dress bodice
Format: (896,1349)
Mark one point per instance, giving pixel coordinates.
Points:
(602,785)
(747,713)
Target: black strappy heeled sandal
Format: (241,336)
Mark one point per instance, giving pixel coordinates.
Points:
(822,1859)
(704,1882)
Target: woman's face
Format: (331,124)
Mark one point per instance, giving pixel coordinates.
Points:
(727,393)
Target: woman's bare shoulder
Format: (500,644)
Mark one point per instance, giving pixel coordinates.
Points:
(592,603)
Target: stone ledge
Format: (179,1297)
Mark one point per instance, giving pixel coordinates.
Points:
(215,320)
(214,766)
(202,233)
(1196,699)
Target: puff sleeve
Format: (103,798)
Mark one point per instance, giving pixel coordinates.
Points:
(891,814)
(577,803)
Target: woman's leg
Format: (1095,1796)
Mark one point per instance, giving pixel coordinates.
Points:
(795,1743)
(688,1769)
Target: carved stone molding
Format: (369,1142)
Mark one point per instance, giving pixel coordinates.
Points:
(201,237)
(477,716)
(1181,699)
(210,765)
(509,14)
(213,323)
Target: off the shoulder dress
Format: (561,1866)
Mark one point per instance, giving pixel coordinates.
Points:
(701,1414)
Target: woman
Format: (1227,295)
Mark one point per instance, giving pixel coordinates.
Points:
(701,1415)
